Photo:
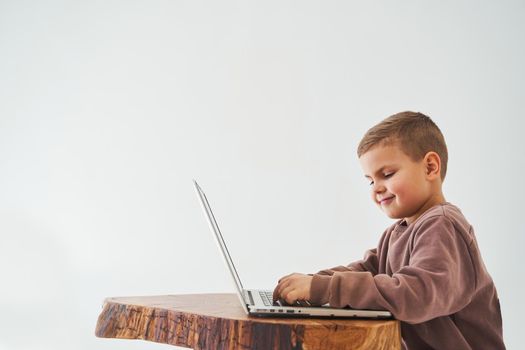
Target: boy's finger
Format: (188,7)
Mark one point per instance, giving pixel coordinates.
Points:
(290,296)
(276,293)
(279,289)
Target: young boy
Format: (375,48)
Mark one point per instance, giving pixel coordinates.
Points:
(427,269)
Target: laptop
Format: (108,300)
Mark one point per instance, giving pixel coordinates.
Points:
(260,302)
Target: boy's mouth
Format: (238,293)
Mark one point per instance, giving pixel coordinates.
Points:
(386,200)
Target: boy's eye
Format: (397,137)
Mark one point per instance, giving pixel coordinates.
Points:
(388,175)
(371,183)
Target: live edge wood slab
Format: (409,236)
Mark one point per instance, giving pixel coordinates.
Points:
(217,322)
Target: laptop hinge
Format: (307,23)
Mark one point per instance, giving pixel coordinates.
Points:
(249,295)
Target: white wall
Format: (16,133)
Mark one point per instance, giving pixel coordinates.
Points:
(108,109)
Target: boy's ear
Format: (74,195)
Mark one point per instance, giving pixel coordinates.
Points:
(432,163)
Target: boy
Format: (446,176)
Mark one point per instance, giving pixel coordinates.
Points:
(427,269)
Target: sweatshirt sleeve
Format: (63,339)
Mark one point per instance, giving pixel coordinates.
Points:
(369,263)
(439,280)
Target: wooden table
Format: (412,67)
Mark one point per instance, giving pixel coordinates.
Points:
(217,322)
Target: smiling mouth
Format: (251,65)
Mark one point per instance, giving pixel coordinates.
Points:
(386,200)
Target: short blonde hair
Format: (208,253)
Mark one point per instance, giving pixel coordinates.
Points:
(415,132)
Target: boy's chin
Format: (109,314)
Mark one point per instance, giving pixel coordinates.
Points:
(392,214)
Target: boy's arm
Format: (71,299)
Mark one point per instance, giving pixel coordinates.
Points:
(298,286)
(440,279)
(369,263)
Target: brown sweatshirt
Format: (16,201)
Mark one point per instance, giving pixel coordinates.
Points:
(430,276)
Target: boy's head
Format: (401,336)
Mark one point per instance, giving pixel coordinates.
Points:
(415,133)
(405,158)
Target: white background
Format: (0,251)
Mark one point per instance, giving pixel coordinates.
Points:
(108,109)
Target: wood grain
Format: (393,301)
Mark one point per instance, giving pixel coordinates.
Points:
(217,322)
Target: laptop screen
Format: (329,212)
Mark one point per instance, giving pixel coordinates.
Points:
(220,241)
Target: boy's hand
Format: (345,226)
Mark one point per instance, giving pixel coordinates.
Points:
(293,287)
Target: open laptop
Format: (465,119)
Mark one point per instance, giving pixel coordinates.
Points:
(260,302)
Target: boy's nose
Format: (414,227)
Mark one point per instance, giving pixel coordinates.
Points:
(378,187)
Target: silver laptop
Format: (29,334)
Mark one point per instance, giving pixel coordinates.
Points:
(260,302)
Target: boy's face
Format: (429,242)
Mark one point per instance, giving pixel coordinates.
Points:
(399,185)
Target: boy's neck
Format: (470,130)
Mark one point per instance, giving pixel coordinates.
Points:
(436,199)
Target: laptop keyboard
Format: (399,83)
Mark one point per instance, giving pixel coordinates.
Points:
(267,298)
